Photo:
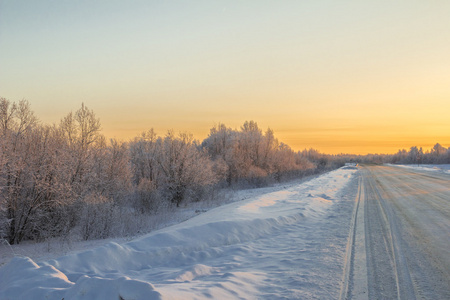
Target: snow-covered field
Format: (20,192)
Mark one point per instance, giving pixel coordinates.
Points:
(280,244)
(432,168)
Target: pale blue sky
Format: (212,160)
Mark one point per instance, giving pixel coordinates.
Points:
(304,68)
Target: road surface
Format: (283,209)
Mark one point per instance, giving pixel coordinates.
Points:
(399,246)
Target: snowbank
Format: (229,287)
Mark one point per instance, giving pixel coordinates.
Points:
(431,168)
(214,255)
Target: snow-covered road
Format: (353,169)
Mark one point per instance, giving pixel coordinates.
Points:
(401,236)
(287,244)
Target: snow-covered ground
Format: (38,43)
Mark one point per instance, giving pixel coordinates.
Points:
(282,244)
(433,168)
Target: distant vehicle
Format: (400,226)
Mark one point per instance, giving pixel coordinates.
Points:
(351,164)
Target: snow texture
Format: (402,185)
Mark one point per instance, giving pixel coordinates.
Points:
(287,243)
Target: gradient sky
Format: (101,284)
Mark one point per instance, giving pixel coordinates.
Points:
(338,76)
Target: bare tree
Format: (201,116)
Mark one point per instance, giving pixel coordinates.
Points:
(82,133)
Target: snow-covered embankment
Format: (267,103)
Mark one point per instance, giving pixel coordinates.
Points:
(287,243)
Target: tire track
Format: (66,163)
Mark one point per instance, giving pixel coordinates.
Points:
(348,274)
(393,246)
(354,279)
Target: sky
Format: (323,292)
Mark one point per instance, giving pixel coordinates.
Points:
(338,76)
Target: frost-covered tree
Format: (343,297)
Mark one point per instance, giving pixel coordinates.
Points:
(145,171)
(83,139)
(99,174)
(142,155)
(186,170)
(413,155)
(29,186)
(220,144)
(219,141)
(438,154)
(17,122)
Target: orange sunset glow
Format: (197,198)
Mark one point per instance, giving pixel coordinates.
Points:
(340,77)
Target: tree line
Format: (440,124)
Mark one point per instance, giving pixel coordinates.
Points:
(66,179)
(437,154)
